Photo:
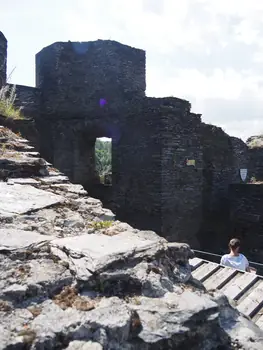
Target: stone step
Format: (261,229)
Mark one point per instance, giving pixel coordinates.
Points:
(19,166)
(22,181)
(50,180)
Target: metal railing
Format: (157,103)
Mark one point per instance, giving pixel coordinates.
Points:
(251,263)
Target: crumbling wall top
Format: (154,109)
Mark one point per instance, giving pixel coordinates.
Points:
(84,46)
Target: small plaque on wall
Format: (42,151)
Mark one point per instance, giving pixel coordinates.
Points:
(190,162)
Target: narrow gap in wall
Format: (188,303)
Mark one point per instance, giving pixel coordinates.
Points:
(103,160)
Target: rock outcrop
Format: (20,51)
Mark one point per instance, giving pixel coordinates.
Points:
(71,277)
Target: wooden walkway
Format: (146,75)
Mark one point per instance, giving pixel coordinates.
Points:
(246,289)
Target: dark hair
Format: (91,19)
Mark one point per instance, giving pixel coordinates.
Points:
(234,243)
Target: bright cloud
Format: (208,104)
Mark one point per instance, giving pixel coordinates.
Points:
(207,51)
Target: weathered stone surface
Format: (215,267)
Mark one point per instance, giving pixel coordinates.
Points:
(169,321)
(40,278)
(103,214)
(185,318)
(54,179)
(19,199)
(73,188)
(15,238)
(82,345)
(100,251)
(11,325)
(243,333)
(22,181)
(15,164)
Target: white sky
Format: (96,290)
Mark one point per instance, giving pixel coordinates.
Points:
(207,51)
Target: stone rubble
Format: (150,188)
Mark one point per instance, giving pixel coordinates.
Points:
(71,277)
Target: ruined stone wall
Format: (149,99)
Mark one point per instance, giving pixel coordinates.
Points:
(74,76)
(137,169)
(181,183)
(152,139)
(246,218)
(218,167)
(73,147)
(3,59)
(28,98)
(154,186)
(223,157)
(241,159)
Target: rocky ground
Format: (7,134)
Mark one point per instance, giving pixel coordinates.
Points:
(71,277)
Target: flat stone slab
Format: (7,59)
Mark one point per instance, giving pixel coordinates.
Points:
(54,179)
(20,199)
(99,250)
(31,154)
(72,188)
(22,181)
(54,173)
(22,140)
(16,239)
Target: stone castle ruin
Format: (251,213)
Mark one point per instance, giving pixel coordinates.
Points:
(170,172)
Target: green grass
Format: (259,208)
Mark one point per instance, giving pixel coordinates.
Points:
(7,103)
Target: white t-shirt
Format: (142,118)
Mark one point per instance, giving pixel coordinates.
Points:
(239,262)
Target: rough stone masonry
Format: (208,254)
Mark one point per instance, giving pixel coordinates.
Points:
(170,171)
(73,278)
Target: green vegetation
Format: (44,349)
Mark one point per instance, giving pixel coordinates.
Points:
(99,225)
(103,157)
(7,103)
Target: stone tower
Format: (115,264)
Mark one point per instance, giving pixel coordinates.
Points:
(3,59)
(75,76)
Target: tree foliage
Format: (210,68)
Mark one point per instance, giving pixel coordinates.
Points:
(103,157)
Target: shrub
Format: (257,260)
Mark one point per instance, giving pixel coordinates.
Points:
(7,103)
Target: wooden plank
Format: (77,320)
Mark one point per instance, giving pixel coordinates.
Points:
(205,270)
(195,263)
(259,322)
(240,285)
(252,301)
(220,278)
